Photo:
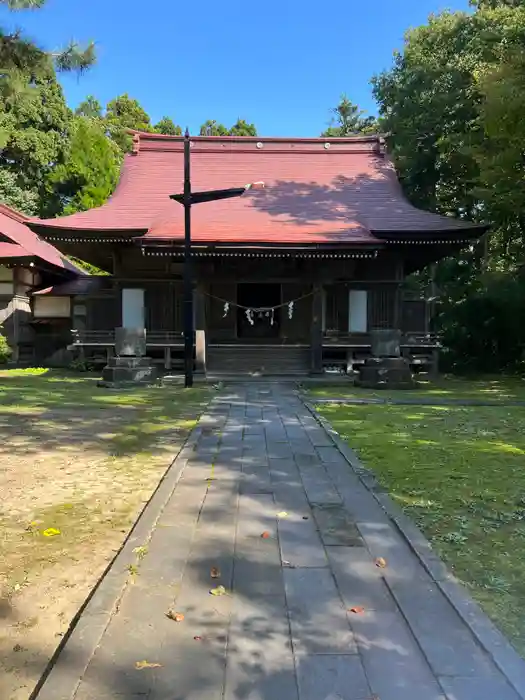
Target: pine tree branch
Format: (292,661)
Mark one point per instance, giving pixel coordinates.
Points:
(23,4)
(74,58)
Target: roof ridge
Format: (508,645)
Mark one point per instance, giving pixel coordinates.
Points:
(358,138)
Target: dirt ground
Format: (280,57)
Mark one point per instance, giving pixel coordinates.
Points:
(77,465)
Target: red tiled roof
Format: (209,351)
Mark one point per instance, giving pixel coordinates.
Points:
(13,250)
(317,191)
(14,226)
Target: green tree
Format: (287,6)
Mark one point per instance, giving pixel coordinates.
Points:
(349,120)
(35,132)
(493,4)
(11,193)
(167,126)
(90,107)
(122,113)
(20,58)
(213,128)
(242,128)
(89,171)
(451,104)
(500,156)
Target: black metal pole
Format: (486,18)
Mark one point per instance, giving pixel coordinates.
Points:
(188,269)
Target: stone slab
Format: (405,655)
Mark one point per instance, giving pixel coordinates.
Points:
(359,580)
(260,659)
(330,455)
(337,677)
(255,479)
(478,689)
(455,653)
(394,665)
(335,525)
(300,542)
(318,619)
(319,488)
(383,540)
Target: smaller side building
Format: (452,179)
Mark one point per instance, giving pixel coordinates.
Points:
(36,327)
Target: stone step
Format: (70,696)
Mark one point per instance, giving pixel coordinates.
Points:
(257,361)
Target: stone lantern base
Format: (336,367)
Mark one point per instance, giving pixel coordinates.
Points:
(387,369)
(130,366)
(386,373)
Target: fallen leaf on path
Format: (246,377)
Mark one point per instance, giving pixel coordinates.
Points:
(220,590)
(51,532)
(265,535)
(282,514)
(215,572)
(357,610)
(380,562)
(175,616)
(139,665)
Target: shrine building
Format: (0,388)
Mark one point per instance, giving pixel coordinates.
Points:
(289,279)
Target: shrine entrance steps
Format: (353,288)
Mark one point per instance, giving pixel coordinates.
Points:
(258,360)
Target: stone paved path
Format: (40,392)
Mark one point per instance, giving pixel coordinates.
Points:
(283,631)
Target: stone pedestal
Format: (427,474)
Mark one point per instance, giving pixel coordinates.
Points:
(385,342)
(130,342)
(130,366)
(387,369)
(128,370)
(386,373)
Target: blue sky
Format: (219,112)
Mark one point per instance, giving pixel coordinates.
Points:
(280,63)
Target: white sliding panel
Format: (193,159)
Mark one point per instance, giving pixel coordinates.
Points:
(358,311)
(133,308)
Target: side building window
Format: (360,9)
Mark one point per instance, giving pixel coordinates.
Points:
(358,311)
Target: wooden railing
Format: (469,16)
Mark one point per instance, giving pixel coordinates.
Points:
(107,338)
(362,340)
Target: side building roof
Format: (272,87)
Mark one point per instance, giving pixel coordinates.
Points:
(341,191)
(23,243)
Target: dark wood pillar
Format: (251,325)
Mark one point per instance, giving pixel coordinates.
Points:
(398,306)
(317,329)
(201,341)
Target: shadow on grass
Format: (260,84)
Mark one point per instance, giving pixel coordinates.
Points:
(65,413)
(491,389)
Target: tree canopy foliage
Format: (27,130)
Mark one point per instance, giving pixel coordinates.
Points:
(20,57)
(453,104)
(240,128)
(34,132)
(89,170)
(349,120)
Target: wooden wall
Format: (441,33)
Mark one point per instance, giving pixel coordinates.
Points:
(161,278)
(297,328)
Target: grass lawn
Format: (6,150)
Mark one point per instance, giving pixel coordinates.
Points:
(447,387)
(77,464)
(459,472)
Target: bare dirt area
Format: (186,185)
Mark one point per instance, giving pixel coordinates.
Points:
(77,465)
